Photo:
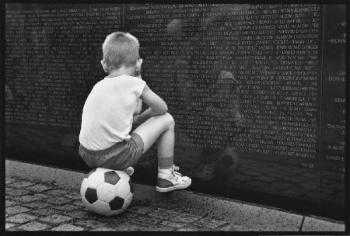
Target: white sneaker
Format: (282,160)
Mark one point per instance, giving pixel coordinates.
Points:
(174,181)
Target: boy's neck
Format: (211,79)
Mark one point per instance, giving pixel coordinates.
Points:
(122,71)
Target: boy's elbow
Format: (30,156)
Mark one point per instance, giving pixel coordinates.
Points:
(163,109)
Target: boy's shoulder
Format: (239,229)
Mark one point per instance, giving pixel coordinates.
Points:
(131,78)
(121,80)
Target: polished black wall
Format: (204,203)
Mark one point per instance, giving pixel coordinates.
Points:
(257,92)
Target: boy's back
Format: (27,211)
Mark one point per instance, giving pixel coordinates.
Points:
(108,111)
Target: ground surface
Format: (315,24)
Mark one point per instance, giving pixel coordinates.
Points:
(33,206)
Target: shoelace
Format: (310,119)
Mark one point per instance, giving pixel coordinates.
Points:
(175,173)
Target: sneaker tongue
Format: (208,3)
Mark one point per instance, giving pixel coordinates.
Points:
(177,174)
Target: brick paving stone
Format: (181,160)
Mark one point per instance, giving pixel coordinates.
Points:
(16,209)
(141,209)
(9,225)
(16,192)
(38,188)
(9,203)
(22,184)
(163,213)
(166,204)
(112,221)
(78,203)
(55,219)
(172,224)
(80,214)
(12,229)
(190,228)
(46,211)
(225,228)
(209,222)
(103,229)
(58,200)
(67,208)
(9,180)
(67,227)
(90,223)
(27,198)
(74,196)
(157,228)
(33,226)
(140,218)
(57,192)
(185,218)
(36,204)
(21,218)
(129,227)
(40,196)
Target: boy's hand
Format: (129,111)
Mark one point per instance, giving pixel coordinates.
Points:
(139,119)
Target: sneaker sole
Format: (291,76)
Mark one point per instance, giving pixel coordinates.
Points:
(173,188)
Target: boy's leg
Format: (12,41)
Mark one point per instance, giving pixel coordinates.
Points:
(162,127)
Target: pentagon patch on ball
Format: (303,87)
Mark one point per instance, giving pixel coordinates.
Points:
(106,192)
(91,195)
(111,177)
(116,203)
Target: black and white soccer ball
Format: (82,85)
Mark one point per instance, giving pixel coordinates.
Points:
(106,192)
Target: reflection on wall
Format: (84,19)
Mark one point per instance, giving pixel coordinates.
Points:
(257,91)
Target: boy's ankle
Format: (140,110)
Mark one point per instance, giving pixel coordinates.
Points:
(164,173)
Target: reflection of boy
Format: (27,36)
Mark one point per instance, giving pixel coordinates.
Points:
(111,108)
(221,105)
(226,120)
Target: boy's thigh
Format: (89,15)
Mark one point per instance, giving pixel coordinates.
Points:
(151,129)
(125,156)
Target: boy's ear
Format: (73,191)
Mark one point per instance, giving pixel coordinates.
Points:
(138,66)
(104,66)
(139,63)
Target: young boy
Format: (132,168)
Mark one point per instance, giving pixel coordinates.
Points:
(111,109)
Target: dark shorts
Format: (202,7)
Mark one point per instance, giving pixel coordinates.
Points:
(117,157)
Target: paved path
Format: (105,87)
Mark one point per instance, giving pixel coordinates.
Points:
(33,206)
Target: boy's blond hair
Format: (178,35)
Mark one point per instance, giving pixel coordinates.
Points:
(120,49)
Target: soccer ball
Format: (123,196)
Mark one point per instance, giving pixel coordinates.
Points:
(106,192)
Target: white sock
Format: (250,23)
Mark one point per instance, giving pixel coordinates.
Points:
(164,173)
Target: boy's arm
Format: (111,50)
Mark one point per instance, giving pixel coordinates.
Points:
(156,103)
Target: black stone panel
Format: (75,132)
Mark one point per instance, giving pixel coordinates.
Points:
(257,92)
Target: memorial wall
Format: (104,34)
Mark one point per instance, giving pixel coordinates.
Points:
(257,92)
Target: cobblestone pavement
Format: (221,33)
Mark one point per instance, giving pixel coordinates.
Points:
(33,206)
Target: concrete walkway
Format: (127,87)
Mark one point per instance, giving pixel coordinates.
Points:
(39,206)
(33,204)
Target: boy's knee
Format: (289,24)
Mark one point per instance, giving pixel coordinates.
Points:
(170,120)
